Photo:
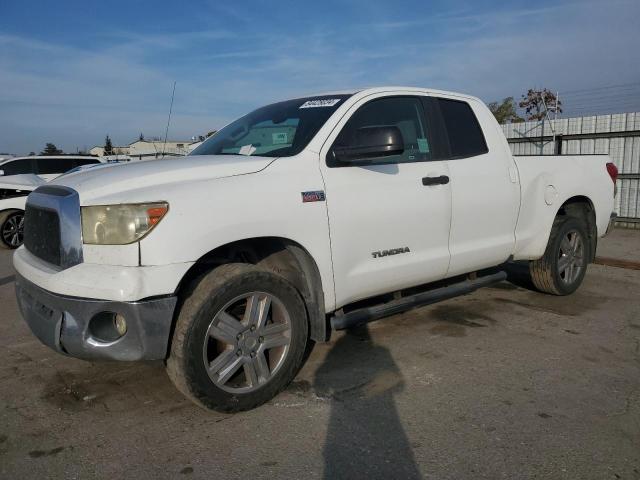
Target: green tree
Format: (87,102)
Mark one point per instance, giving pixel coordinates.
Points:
(141,137)
(505,111)
(108,147)
(51,149)
(537,103)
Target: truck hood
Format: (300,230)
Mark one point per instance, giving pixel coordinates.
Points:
(111,180)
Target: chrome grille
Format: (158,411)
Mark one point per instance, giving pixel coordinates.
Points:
(42,233)
(53,230)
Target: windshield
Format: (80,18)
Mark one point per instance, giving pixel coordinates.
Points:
(279,130)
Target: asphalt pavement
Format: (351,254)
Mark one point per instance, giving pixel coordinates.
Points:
(502,383)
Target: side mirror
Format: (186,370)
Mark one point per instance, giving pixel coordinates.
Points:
(371,142)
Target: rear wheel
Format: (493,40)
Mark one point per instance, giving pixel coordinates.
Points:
(11,229)
(240,338)
(564,264)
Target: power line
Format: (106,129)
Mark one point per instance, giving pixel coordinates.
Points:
(618,93)
(601,88)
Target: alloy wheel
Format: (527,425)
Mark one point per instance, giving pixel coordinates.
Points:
(247,342)
(571,257)
(13,230)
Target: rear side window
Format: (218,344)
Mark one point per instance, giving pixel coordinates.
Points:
(464,132)
(17,167)
(54,165)
(406,113)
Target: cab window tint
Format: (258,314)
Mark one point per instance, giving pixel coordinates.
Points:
(17,167)
(464,132)
(405,113)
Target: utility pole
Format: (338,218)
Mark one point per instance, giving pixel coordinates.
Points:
(544,105)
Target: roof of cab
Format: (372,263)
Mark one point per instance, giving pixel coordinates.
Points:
(393,88)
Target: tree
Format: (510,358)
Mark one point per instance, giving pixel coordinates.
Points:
(51,149)
(108,147)
(141,137)
(537,103)
(505,111)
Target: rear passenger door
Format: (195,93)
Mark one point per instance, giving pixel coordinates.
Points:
(485,193)
(389,228)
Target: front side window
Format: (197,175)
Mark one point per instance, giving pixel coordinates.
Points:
(279,130)
(464,132)
(405,113)
(17,167)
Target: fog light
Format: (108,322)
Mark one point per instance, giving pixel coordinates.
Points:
(120,324)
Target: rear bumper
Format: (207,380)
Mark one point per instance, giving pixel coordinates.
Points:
(612,221)
(63,324)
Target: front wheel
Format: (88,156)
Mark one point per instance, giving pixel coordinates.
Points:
(11,229)
(562,268)
(240,338)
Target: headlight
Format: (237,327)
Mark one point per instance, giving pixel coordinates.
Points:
(120,224)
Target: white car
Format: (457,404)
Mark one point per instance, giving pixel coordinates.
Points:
(13,196)
(230,262)
(46,167)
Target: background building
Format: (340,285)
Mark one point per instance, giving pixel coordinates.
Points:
(147,149)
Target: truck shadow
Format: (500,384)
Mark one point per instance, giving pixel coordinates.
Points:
(365,437)
(518,275)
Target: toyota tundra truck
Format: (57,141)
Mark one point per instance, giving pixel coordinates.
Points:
(304,216)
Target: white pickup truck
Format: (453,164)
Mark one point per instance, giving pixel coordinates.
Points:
(303,216)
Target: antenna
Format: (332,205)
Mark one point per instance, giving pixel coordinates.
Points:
(166,132)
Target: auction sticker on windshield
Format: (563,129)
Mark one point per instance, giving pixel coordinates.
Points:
(327,102)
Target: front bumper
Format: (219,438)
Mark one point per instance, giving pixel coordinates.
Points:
(62,323)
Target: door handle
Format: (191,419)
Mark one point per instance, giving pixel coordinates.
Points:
(429,181)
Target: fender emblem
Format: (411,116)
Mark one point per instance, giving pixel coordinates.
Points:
(393,251)
(316,196)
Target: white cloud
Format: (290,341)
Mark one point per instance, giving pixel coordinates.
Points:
(75,95)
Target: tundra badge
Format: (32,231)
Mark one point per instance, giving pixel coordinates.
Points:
(393,251)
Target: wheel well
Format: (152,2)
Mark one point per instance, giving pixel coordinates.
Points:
(5,213)
(281,256)
(582,207)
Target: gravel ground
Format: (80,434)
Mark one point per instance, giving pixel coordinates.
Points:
(503,383)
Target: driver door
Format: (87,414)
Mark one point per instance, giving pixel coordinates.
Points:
(389,216)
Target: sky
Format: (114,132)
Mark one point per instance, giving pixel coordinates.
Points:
(73,71)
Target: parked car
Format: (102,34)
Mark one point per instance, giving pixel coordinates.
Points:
(13,196)
(46,167)
(303,216)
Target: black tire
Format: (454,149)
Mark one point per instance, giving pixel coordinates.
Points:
(203,301)
(8,220)
(545,272)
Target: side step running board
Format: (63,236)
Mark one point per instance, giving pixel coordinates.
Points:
(365,315)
